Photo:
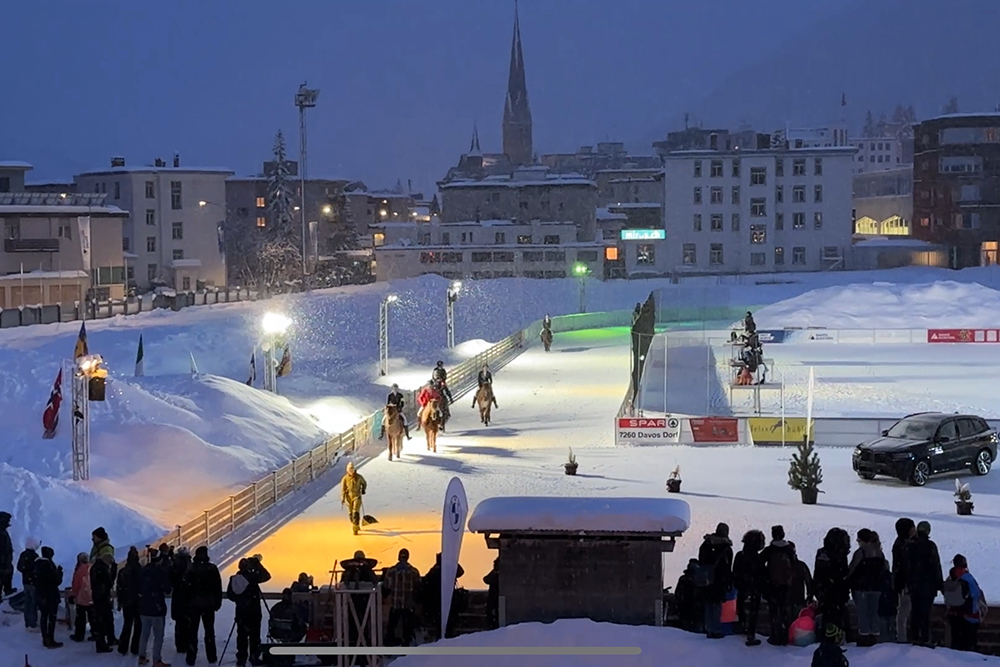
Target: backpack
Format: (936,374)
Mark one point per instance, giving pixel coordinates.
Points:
(779,568)
(953,594)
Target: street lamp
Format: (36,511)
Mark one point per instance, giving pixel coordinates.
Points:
(453,291)
(383,333)
(304,99)
(274,326)
(89,378)
(581,271)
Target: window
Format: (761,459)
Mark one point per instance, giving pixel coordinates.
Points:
(425,239)
(879,158)
(503,256)
(445,238)
(690,254)
(798,220)
(736,194)
(779,194)
(523,205)
(798,255)
(779,256)
(758,207)
(551,239)
(799,194)
(697,168)
(555,256)
(150,190)
(524,239)
(533,255)
(818,220)
(452,257)
(126,244)
(178,253)
(151,272)
(758,234)
(500,238)
(175,195)
(494,197)
(261,203)
(467,237)
(697,195)
(177,231)
(735,222)
(716,222)
(4,183)
(645,254)
(586,255)
(65,231)
(261,221)
(817,194)
(715,195)
(150,244)
(716,169)
(150,216)
(129,273)
(779,220)
(818,166)
(799,167)
(479,257)
(118,190)
(697,222)
(186,283)
(736,168)
(779,167)
(562,205)
(758,259)
(758,175)
(715,254)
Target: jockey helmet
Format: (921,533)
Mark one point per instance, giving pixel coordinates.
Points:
(440,363)
(395,387)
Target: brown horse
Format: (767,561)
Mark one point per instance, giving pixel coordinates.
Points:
(430,420)
(394,430)
(546,337)
(486,400)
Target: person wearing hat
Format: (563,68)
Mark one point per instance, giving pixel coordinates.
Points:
(440,375)
(749,326)
(716,557)
(359,575)
(48,584)
(830,653)
(352,487)
(396,400)
(103,571)
(127,594)
(777,567)
(204,587)
(924,580)
(244,590)
(401,582)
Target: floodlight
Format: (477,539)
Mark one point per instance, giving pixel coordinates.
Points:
(275,323)
(391,298)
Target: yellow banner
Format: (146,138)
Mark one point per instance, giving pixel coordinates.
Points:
(776,431)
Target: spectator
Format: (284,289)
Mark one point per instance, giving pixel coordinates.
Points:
(690,611)
(865,579)
(359,574)
(80,597)
(830,579)
(179,599)
(154,586)
(127,593)
(887,606)
(102,618)
(284,624)
(244,590)
(923,580)
(430,589)
(26,566)
(962,597)
(829,653)
(746,578)
(777,572)
(492,581)
(48,579)
(203,585)
(6,557)
(906,530)
(402,581)
(716,559)
(304,584)
(801,592)
(102,544)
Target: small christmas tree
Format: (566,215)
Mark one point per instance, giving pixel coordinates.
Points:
(805,472)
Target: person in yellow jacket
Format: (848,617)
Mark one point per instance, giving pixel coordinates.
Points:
(352,487)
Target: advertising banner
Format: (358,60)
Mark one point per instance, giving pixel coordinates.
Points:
(963,336)
(771,431)
(810,336)
(647,430)
(715,429)
(771,336)
(456,509)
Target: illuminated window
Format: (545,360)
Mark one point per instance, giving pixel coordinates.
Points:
(611,253)
(378,238)
(261,203)
(261,221)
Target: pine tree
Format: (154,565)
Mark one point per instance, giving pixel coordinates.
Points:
(952,106)
(880,129)
(279,196)
(869,128)
(898,115)
(805,471)
(911,114)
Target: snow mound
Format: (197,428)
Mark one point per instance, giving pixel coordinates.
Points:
(942,304)
(471,348)
(678,648)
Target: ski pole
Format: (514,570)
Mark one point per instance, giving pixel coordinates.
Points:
(221,657)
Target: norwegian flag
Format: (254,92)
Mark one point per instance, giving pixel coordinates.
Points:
(50,418)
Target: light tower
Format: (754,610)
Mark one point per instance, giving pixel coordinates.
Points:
(581,271)
(453,291)
(274,326)
(383,334)
(304,99)
(89,382)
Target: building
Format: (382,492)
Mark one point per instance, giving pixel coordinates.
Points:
(815,137)
(12,175)
(697,139)
(751,211)
(483,249)
(517,139)
(636,194)
(878,154)
(609,155)
(956,186)
(173,235)
(883,202)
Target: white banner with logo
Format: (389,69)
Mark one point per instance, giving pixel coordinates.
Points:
(456,509)
(83,224)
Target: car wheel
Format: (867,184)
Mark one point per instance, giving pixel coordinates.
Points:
(921,473)
(867,475)
(983,462)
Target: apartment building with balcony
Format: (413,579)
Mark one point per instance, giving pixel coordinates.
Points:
(174,233)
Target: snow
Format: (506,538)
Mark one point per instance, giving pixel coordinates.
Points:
(889,242)
(580,515)
(35,275)
(59,209)
(15,164)
(661,646)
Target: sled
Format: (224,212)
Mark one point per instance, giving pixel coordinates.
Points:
(367,519)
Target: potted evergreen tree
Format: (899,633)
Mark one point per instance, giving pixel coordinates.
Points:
(805,473)
(963,499)
(674,481)
(570,465)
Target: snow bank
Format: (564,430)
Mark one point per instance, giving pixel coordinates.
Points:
(599,515)
(661,646)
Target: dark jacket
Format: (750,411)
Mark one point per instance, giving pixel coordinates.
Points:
(777,565)
(922,566)
(395,398)
(6,546)
(48,581)
(440,373)
(829,655)
(802,585)
(430,590)
(154,586)
(898,560)
(127,584)
(746,571)
(204,586)
(358,572)
(244,587)
(485,377)
(830,578)
(102,581)
(866,568)
(717,553)
(26,566)
(180,596)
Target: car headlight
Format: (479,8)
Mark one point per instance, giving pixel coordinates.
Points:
(857,450)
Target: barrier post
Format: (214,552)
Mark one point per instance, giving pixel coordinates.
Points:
(208,530)
(232,513)
(274,486)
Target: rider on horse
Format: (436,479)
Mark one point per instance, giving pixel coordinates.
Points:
(432,392)
(396,399)
(440,374)
(485,377)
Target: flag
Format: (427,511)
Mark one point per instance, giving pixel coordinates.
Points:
(81,343)
(139,366)
(253,369)
(50,418)
(194,366)
(843,99)
(285,365)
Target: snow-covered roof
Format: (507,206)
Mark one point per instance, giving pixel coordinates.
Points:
(647,204)
(574,515)
(632,170)
(25,209)
(186,263)
(15,164)
(981,114)
(148,169)
(513,183)
(254,178)
(604,213)
(410,244)
(65,275)
(762,152)
(889,242)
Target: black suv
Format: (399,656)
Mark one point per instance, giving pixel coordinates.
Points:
(926,444)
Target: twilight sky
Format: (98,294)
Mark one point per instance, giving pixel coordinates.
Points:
(401,81)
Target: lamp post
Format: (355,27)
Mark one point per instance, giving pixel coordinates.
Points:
(581,271)
(383,334)
(304,99)
(453,291)
(274,326)
(220,232)
(89,378)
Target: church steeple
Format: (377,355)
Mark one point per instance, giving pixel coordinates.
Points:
(474,146)
(517,144)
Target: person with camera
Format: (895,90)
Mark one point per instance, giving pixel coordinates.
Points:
(244,590)
(204,587)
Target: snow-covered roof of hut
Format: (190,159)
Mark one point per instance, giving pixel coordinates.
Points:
(588,515)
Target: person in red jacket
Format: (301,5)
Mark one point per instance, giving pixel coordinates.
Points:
(427,394)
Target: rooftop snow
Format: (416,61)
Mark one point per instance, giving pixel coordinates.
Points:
(594,515)
(762,152)
(648,204)
(35,275)
(511,183)
(884,242)
(982,114)
(15,164)
(62,210)
(149,169)
(604,213)
(186,263)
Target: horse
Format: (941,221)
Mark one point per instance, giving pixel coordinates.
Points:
(546,337)
(431,420)
(485,399)
(394,429)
